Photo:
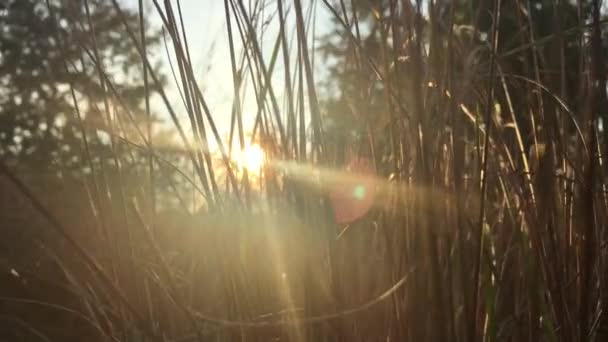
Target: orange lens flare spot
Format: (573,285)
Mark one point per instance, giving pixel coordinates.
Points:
(353,195)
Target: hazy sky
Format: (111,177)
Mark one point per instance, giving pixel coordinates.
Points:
(207,38)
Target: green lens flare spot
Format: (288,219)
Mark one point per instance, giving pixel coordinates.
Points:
(359,192)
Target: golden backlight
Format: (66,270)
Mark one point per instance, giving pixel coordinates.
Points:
(250,158)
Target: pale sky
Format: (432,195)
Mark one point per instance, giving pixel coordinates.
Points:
(207,38)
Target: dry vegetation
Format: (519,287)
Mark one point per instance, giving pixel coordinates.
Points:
(489,215)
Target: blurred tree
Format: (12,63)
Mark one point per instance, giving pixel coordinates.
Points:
(353,91)
(42,52)
(356,98)
(47,49)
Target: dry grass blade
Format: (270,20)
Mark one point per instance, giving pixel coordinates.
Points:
(340,170)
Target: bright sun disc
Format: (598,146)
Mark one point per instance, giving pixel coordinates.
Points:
(251,158)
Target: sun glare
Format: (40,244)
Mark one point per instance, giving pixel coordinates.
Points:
(251,158)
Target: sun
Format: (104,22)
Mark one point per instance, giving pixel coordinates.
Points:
(251,158)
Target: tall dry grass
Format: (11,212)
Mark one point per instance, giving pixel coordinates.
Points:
(489,215)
